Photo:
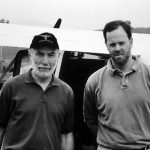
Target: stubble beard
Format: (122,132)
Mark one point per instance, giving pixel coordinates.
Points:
(41,75)
(122,60)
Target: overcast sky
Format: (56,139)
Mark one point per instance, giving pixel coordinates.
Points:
(75,14)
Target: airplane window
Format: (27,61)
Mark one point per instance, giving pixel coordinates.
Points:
(7,55)
(3,67)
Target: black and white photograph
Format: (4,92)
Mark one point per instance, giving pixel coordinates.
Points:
(74,75)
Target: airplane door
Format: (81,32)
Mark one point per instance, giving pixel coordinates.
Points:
(75,70)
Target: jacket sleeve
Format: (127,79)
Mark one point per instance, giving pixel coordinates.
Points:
(90,111)
(5,104)
(69,117)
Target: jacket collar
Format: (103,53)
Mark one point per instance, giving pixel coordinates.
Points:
(113,70)
(29,79)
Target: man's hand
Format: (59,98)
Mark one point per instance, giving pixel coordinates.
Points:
(1,135)
(67,141)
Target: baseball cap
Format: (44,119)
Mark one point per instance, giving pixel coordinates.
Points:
(44,39)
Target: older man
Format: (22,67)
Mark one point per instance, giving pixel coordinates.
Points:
(36,108)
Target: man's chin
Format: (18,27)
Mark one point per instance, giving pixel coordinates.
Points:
(44,75)
(120,62)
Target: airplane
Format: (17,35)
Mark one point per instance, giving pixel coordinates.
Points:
(69,40)
(82,53)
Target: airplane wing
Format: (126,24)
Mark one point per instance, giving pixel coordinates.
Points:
(69,40)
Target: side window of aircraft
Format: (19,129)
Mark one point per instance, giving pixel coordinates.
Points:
(3,67)
(7,55)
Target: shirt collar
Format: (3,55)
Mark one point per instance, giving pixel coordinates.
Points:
(29,79)
(113,70)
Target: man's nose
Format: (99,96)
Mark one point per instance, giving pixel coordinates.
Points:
(45,60)
(117,48)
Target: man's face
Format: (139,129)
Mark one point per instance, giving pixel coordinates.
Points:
(44,61)
(119,46)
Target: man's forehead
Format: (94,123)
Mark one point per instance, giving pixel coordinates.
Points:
(45,48)
(117,32)
(117,39)
(117,36)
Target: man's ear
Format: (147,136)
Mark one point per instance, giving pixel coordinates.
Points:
(131,42)
(29,53)
(59,54)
